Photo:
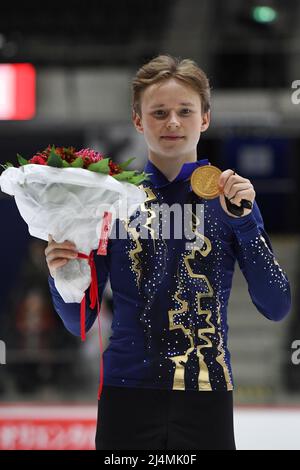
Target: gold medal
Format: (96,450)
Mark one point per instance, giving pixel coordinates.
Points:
(204,181)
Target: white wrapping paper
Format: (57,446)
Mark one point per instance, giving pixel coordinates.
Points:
(69,204)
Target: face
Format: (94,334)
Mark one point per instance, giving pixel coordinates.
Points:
(171,120)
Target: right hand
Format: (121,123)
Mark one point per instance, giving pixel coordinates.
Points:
(58,254)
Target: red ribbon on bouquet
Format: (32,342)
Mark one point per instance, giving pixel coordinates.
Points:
(105,229)
(94,293)
(94,296)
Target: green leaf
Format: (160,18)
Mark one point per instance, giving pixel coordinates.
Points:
(65,164)
(137,179)
(6,165)
(126,164)
(124,175)
(22,161)
(78,163)
(54,159)
(100,167)
(53,151)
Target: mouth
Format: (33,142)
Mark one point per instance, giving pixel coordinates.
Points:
(172,137)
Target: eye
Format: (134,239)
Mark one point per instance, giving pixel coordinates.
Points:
(159,113)
(185,111)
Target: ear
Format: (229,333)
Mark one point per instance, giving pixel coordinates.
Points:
(137,121)
(205,121)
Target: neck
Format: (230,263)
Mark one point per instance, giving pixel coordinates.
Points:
(171,167)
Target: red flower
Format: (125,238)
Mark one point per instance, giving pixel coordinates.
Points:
(89,156)
(114,168)
(66,153)
(38,159)
(69,154)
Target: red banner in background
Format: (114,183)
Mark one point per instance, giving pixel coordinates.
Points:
(47,427)
(17,91)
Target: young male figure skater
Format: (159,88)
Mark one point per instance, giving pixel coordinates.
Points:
(167,374)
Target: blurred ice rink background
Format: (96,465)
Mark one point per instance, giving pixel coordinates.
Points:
(85,54)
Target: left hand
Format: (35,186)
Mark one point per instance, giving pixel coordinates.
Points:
(236,188)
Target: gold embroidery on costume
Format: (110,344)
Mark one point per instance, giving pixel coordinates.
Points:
(150,198)
(180,361)
(203,377)
(135,235)
(221,358)
(134,253)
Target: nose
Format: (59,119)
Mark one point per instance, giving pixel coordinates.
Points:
(173,121)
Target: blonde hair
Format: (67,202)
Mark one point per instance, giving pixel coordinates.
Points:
(164,67)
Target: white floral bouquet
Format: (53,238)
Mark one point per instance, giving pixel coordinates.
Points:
(77,196)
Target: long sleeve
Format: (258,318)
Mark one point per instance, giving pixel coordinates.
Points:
(70,312)
(268,285)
